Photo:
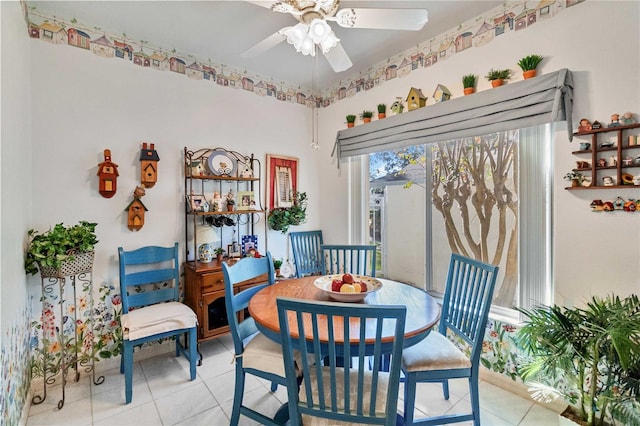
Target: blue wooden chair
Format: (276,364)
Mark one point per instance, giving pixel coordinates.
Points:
(253,352)
(154,313)
(465,310)
(329,393)
(306,252)
(353,259)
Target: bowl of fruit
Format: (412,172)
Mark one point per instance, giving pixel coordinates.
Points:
(347,287)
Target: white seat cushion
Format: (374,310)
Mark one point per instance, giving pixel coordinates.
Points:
(381,397)
(156,319)
(435,352)
(262,353)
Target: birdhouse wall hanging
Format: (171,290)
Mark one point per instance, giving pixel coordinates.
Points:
(135,210)
(108,176)
(148,165)
(415,99)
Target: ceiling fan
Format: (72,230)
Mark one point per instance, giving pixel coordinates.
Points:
(313,31)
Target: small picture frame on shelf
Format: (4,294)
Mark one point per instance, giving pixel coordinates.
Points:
(197,203)
(234,250)
(249,242)
(246,200)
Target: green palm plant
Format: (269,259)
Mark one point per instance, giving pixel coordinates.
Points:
(588,356)
(469,80)
(530,62)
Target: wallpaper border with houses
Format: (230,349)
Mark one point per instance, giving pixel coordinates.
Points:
(500,22)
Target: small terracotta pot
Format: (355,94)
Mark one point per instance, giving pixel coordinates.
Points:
(529,74)
(367,119)
(229,207)
(381,115)
(469,90)
(219,257)
(575,182)
(350,125)
(497,82)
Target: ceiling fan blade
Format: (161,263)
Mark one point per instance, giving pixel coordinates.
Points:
(272,41)
(338,58)
(382,19)
(265,3)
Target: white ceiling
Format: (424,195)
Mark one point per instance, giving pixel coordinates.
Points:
(222,30)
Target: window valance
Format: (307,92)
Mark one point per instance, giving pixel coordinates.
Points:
(543,99)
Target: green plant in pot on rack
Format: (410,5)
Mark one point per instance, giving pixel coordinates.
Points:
(588,356)
(280,219)
(469,83)
(277,264)
(528,65)
(366,116)
(351,120)
(50,250)
(576,178)
(382,111)
(497,77)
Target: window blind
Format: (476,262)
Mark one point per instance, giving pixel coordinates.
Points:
(544,99)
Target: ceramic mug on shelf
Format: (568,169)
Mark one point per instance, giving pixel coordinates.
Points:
(584,146)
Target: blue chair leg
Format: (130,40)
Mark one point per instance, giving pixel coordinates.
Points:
(127,356)
(274,386)
(192,352)
(410,383)
(445,389)
(237,395)
(475,400)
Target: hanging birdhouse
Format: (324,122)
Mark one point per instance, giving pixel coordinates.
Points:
(397,106)
(441,93)
(108,176)
(415,99)
(148,166)
(135,210)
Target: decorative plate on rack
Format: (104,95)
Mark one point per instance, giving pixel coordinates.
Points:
(221,163)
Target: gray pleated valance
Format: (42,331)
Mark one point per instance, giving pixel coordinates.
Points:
(543,99)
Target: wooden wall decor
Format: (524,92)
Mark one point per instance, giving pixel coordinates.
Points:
(108,176)
(135,210)
(148,165)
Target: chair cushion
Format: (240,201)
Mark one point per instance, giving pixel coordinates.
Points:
(381,397)
(435,352)
(156,319)
(262,353)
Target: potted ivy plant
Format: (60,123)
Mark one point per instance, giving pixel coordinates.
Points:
(351,119)
(382,111)
(280,219)
(576,178)
(589,356)
(57,251)
(219,252)
(528,65)
(366,116)
(497,77)
(469,83)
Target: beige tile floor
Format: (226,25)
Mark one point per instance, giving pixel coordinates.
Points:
(163,395)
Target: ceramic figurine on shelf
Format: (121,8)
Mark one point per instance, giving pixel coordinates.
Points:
(608,181)
(216,202)
(602,162)
(627,119)
(585,125)
(615,120)
(596,125)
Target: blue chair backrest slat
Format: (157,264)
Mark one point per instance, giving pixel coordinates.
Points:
(307,255)
(467,300)
(357,321)
(149,265)
(353,259)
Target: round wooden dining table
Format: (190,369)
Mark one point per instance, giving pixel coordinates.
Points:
(423,311)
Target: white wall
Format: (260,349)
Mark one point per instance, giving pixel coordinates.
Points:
(598,41)
(83,104)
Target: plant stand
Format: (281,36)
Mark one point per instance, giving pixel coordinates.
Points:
(79,272)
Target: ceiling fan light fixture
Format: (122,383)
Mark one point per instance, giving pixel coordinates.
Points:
(329,42)
(296,34)
(319,30)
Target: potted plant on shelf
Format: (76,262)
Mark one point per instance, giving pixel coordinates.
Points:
(231,201)
(351,119)
(277,263)
(576,178)
(588,356)
(469,83)
(366,116)
(497,77)
(281,218)
(382,111)
(528,65)
(61,250)
(219,252)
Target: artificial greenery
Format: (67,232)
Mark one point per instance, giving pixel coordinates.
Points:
(59,244)
(382,108)
(588,356)
(281,218)
(529,62)
(366,114)
(351,118)
(498,74)
(277,263)
(573,175)
(469,80)
(218,251)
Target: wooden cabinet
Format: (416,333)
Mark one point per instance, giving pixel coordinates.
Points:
(610,156)
(208,171)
